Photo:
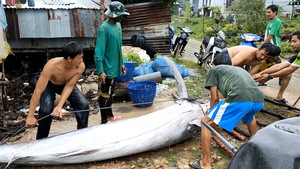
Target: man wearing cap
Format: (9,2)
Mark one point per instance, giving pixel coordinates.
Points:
(109,58)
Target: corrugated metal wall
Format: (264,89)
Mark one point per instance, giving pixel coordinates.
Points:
(59,23)
(51,28)
(150,20)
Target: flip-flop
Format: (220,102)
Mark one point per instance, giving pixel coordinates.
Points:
(195,164)
(283,101)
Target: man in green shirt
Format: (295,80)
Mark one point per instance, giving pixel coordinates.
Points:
(284,68)
(272,35)
(273,29)
(109,58)
(242,100)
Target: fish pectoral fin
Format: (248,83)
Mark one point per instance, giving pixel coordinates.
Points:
(76,153)
(195,123)
(195,128)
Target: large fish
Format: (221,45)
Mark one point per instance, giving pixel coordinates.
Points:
(156,130)
(153,131)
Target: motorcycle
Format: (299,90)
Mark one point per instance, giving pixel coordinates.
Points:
(249,39)
(181,41)
(210,47)
(171,33)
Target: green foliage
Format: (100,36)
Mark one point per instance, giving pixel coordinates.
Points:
(286,48)
(250,14)
(289,26)
(200,26)
(133,57)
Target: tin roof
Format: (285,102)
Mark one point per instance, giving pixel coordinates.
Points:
(58,4)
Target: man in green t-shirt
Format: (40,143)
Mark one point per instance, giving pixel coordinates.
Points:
(272,35)
(109,58)
(242,100)
(273,29)
(284,68)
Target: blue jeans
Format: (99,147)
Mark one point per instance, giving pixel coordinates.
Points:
(76,99)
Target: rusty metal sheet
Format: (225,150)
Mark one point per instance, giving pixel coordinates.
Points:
(144,14)
(12,24)
(147,31)
(59,23)
(58,4)
(150,20)
(47,27)
(85,23)
(52,23)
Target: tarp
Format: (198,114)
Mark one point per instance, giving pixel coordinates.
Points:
(276,146)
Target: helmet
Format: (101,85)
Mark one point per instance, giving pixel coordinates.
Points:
(116,9)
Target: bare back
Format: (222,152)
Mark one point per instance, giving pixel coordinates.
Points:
(244,55)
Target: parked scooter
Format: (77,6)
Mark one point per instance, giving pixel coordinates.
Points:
(210,47)
(181,41)
(171,33)
(249,38)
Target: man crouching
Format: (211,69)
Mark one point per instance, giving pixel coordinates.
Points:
(242,100)
(60,76)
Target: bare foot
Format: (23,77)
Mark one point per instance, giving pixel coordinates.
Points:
(207,166)
(115,118)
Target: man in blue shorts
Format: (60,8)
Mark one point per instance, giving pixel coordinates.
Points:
(242,100)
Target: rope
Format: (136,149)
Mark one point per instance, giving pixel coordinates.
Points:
(5,139)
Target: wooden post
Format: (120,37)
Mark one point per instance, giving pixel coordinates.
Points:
(102,10)
(1,92)
(293,8)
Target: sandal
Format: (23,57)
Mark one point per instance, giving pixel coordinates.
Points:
(195,164)
(283,101)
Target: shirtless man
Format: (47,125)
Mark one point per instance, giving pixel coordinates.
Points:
(249,56)
(60,76)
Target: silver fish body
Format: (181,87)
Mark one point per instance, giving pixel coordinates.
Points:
(153,131)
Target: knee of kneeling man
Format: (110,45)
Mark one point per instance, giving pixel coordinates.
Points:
(211,123)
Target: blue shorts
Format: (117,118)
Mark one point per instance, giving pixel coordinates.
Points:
(228,115)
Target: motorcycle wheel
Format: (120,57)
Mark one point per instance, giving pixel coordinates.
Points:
(208,62)
(177,50)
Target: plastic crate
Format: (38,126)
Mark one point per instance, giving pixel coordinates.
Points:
(130,67)
(142,93)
